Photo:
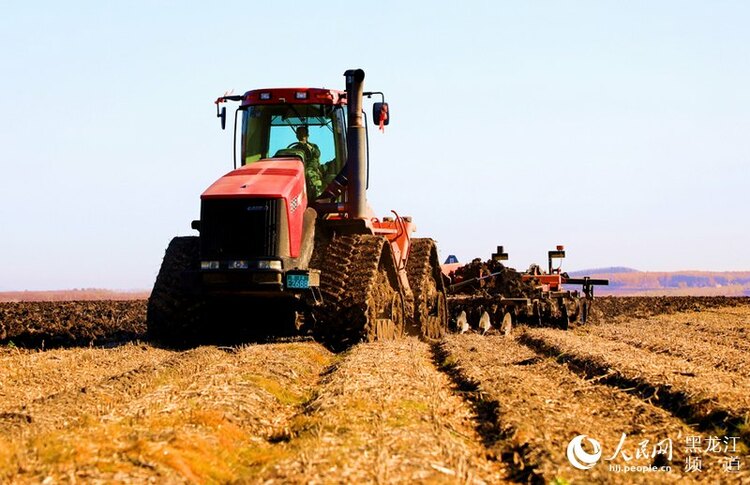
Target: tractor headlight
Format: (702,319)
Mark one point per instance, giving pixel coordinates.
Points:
(269,265)
(209,265)
(238,265)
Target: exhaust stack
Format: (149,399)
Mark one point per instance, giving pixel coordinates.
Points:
(356,163)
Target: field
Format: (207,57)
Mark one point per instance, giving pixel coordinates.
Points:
(85,398)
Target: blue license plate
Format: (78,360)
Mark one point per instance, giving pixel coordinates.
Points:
(298,281)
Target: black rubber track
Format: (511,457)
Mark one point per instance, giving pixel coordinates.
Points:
(430,305)
(173,316)
(362,299)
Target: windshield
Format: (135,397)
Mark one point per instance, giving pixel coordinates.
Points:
(313,132)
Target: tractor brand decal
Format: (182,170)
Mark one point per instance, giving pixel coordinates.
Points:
(294,203)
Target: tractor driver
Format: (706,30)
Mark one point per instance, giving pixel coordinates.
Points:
(312,160)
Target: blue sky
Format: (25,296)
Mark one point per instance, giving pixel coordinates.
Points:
(619,129)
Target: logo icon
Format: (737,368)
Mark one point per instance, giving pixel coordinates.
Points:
(579,457)
(294,203)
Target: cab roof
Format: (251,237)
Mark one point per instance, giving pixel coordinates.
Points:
(294,96)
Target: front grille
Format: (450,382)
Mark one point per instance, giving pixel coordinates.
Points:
(240,228)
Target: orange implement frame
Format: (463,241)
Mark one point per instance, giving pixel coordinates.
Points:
(550,282)
(398,233)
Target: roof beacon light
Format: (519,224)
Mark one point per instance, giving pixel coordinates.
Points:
(265,96)
(300,95)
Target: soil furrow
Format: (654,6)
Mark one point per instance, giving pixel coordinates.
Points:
(729,327)
(531,407)
(77,406)
(27,376)
(385,414)
(674,335)
(701,395)
(209,416)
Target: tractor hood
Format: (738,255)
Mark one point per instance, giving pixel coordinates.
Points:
(277,178)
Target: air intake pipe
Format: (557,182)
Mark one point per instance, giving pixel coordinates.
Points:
(356,163)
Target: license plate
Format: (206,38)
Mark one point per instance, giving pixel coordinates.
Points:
(299,281)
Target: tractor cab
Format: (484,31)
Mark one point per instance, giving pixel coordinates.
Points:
(313,133)
(306,123)
(309,124)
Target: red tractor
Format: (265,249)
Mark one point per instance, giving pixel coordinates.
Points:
(288,241)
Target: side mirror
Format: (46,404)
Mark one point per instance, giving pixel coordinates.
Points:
(380,113)
(223,115)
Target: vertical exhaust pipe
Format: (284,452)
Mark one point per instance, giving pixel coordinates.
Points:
(356,163)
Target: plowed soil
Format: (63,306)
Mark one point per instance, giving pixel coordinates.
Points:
(54,324)
(629,307)
(83,398)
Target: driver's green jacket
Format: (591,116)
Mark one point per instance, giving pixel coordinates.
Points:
(312,168)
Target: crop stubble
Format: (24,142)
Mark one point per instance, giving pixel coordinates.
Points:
(380,412)
(30,376)
(275,412)
(716,339)
(385,414)
(701,394)
(541,405)
(199,415)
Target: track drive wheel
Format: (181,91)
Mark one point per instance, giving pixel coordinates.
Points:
(362,297)
(425,278)
(174,310)
(385,303)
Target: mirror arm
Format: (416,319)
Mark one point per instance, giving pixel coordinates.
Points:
(369,94)
(221,112)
